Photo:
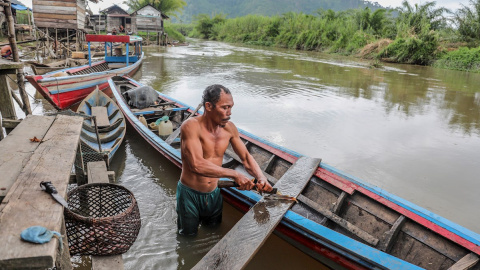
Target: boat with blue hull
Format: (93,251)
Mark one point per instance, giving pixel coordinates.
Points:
(341,220)
(105,133)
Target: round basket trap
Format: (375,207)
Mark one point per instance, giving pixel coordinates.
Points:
(101,219)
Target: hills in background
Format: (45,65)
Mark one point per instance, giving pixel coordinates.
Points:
(239,8)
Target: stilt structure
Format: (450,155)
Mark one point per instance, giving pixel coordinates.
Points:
(13,44)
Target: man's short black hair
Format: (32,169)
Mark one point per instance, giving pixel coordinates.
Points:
(212,94)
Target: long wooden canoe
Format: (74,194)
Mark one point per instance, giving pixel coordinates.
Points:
(66,87)
(111,125)
(339,219)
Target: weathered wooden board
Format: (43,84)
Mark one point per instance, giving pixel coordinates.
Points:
(27,205)
(101,115)
(16,149)
(62,3)
(466,262)
(97,173)
(241,243)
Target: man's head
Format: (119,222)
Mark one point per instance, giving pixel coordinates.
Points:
(212,94)
(218,102)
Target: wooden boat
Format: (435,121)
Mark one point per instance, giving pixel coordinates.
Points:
(338,219)
(67,87)
(41,69)
(110,124)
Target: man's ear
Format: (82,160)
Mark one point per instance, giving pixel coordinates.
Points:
(208,106)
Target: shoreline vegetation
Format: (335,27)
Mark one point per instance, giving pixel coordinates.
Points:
(419,34)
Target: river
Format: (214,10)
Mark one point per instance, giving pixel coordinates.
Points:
(413,131)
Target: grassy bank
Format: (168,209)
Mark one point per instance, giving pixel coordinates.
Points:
(417,35)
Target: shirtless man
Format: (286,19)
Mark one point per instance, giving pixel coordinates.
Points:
(204,140)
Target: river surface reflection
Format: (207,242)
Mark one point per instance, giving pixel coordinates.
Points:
(413,131)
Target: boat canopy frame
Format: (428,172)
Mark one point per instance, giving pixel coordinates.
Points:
(109,40)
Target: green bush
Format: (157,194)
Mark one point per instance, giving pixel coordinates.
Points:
(420,50)
(464,59)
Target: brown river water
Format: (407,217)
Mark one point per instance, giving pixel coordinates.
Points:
(413,131)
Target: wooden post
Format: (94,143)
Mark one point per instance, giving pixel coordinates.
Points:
(68,40)
(6,103)
(13,44)
(1,129)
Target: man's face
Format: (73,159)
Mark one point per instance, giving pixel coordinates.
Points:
(223,109)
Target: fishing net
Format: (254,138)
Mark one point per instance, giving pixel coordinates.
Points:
(141,97)
(101,219)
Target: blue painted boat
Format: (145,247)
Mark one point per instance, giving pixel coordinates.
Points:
(340,220)
(110,121)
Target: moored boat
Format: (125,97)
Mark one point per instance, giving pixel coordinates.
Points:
(104,134)
(66,87)
(338,219)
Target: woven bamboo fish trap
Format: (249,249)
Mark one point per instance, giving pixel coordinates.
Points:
(101,219)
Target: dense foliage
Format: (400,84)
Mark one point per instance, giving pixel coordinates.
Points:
(238,8)
(418,34)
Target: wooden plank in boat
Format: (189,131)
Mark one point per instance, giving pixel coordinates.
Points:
(102,116)
(466,262)
(340,221)
(241,243)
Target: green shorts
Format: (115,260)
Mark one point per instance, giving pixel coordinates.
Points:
(194,207)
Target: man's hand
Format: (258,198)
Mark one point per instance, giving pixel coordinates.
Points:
(263,185)
(243,182)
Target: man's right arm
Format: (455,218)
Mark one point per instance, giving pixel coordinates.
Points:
(192,154)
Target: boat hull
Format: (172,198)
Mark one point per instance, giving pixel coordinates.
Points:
(396,225)
(110,134)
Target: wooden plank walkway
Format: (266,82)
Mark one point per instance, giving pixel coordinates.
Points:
(27,205)
(17,149)
(97,173)
(241,243)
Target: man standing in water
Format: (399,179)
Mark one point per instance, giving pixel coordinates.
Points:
(204,140)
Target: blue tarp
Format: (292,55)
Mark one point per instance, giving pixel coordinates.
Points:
(19,7)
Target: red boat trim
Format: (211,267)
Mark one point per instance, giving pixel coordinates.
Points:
(273,150)
(107,38)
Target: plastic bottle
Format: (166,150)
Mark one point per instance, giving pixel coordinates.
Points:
(165,127)
(142,119)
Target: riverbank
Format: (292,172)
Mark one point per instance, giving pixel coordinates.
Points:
(361,33)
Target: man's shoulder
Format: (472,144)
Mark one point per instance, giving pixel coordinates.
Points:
(190,124)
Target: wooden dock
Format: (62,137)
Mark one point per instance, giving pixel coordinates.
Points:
(40,148)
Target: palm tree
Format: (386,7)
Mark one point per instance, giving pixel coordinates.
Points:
(468,21)
(422,18)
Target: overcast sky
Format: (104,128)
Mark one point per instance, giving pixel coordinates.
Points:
(450,4)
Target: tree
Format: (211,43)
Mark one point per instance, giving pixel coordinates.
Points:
(421,18)
(468,21)
(168,7)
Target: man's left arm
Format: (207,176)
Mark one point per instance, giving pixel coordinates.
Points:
(248,161)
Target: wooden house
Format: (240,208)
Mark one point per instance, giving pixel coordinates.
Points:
(148,18)
(97,22)
(61,14)
(117,17)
